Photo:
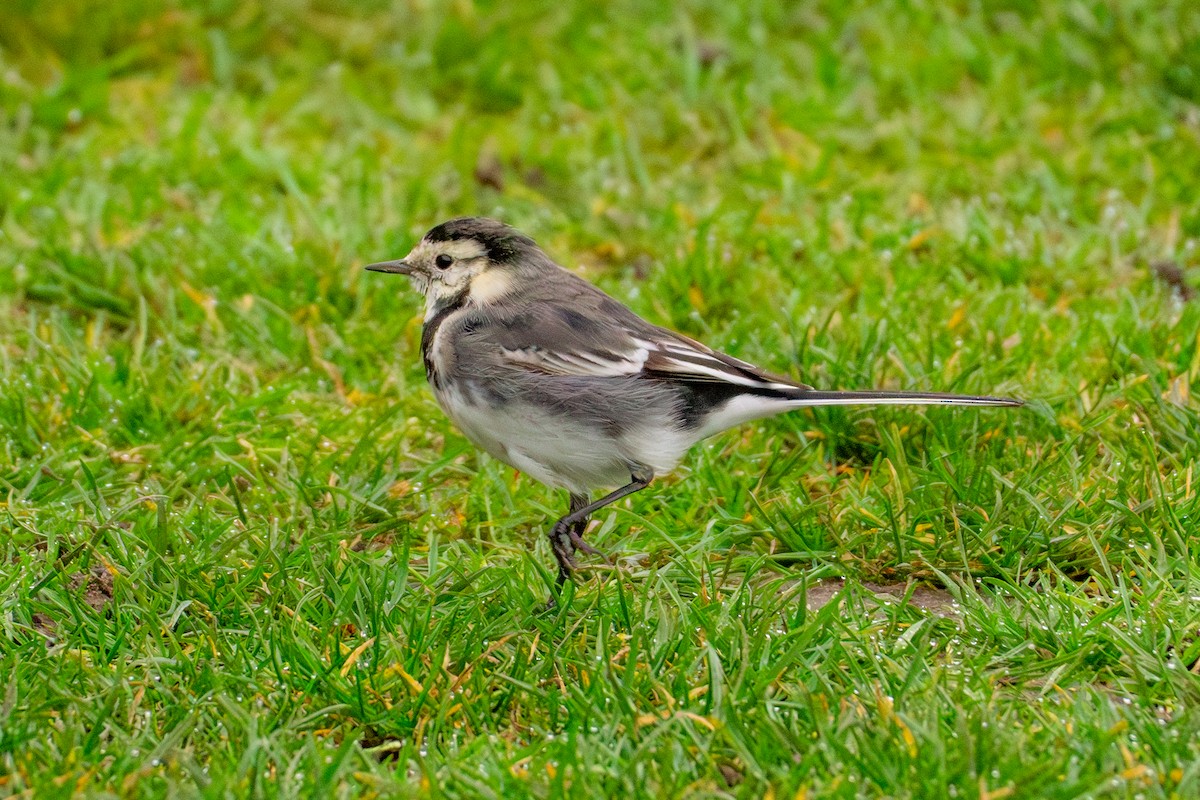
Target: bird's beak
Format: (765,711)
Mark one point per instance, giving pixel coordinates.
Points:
(397,267)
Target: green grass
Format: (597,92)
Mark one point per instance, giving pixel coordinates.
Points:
(244,553)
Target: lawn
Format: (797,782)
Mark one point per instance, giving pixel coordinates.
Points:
(245,554)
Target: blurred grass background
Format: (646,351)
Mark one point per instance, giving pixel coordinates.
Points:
(244,554)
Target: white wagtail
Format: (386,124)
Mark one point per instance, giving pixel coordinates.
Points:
(555,378)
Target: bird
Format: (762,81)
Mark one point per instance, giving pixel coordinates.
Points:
(547,373)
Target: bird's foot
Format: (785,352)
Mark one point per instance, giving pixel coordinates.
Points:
(565,540)
(579,544)
(562,541)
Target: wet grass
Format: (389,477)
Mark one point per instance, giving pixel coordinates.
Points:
(244,554)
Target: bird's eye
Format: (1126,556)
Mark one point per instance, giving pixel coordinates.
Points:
(443,261)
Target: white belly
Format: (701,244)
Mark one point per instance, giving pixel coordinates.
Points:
(561,452)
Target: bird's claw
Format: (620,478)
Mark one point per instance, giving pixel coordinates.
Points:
(565,540)
(564,548)
(579,544)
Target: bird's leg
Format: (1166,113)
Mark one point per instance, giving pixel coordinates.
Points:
(563,538)
(567,533)
(578,501)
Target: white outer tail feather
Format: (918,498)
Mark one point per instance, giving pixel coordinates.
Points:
(817,397)
(747,407)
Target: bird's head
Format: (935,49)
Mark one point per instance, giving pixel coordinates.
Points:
(467,259)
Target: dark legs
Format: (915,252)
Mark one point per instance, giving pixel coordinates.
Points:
(567,534)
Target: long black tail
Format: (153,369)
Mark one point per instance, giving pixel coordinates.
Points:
(817,397)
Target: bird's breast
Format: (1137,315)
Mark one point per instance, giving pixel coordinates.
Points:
(436,352)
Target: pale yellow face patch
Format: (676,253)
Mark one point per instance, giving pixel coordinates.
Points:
(439,283)
(461,250)
(490,286)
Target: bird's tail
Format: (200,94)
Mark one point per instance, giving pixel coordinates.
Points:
(747,407)
(817,397)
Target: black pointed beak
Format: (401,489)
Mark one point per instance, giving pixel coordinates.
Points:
(397,267)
